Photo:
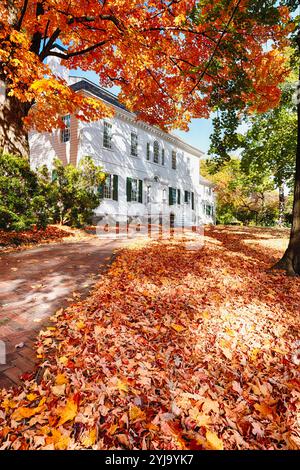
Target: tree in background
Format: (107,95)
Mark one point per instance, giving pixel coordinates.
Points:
(242,197)
(270,145)
(231,112)
(173,60)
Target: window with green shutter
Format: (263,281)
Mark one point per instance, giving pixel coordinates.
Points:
(134,190)
(156,152)
(172,196)
(187,197)
(109,188)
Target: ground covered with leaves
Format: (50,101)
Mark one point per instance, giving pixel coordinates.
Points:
(175,349)
(16,241)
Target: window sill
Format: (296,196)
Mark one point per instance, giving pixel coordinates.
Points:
(156,164)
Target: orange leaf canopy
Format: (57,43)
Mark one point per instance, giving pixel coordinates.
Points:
(169,57)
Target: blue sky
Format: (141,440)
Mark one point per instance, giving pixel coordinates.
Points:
(200,129)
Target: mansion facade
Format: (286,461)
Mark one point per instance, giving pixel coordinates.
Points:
(148,170)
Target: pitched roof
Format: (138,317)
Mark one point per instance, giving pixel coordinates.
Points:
(96,90)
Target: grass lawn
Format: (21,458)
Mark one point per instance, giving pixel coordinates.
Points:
(174,349)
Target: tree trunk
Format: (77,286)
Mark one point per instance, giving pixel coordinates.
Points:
(281,205)
(13,134)
(290,262)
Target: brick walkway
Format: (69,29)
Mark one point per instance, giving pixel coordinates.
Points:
(34,284)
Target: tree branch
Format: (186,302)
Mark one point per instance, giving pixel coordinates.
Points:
(77,53)
(23,12)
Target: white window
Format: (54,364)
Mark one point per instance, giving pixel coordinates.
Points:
(156,152)
(134,144)
(135,190)
(66,132)
(148,194)
(164,195)
(187,197)
(107,188)
(107,135)
(174,160)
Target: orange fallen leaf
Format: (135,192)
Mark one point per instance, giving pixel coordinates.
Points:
(136,414)
(213,441)
(177,328)
(68,412)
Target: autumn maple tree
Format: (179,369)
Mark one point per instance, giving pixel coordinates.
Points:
(166,56)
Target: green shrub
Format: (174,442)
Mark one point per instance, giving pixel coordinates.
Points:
(74,192)
(21,196)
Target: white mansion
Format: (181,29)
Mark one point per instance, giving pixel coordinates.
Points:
(145,166)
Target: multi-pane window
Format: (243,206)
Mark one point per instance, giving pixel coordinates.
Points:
(134,190)
(172,196)
(148,151)
(162,156)
(134,144)
(107,187)
(187,197)
(174,160)
(107,135)
(156,152)
(208,210)
(66,131)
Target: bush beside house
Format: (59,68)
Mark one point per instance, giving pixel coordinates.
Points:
(29,198)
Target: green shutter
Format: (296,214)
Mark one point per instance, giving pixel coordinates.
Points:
(193,201)
(115,187)
(54,175)
(100,189)
(129,189)
(186,197)
(170,196)
(178,196)
(140,191)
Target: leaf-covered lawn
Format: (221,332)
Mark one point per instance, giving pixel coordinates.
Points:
(15,241)
(175,349)
(35,236)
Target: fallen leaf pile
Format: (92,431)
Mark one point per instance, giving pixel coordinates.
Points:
(175,349)
(32,237)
